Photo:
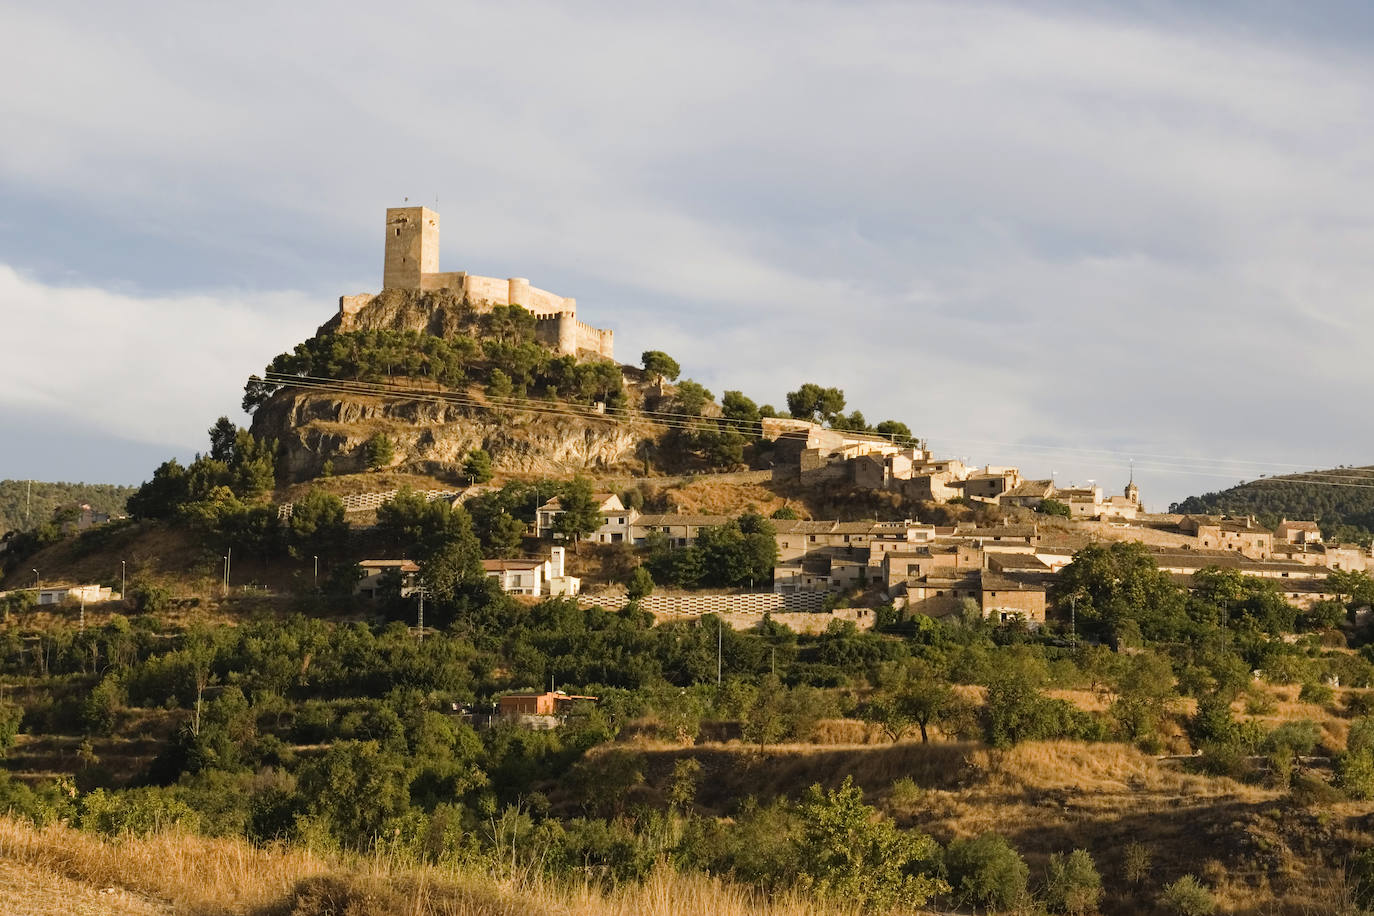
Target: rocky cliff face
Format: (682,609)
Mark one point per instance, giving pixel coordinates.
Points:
(436,437)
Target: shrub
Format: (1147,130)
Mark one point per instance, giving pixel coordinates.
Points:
(986,871)
(1188,897)
(844,853)
(1072,884)
(379,451)
(1320,694)
(1359,871)
(1135,862)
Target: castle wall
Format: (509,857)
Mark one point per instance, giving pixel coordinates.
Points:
(495,291)
(435,281)
(352,305)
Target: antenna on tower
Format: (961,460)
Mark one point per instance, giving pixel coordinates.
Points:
(1132,480)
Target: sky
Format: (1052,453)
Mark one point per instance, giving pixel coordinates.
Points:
(1067,236)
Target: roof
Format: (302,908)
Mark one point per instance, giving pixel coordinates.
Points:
(501,565)
(402,565)
(816,564)
(1004,531)
(696,521)
(1031,488)
(800,526)
(1286,525)
(993,582)
(1026,561)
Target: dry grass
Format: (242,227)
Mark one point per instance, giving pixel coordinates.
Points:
(175,872)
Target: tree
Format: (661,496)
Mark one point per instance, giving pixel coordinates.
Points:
(318,525)
(927,699)
(812,402)
(845,852)
(477,466)
(691,398)
(786,513)
(163,495)
(894,429)
(499,385)
(742,412)
(660,365)
(1055,508)
(1016,708)
(581,515)
(222,437)
(889,714)
(379,450)
(639,584)
(1072,884)
(1111,585)
(764,722)
(1144,687)
(356,787)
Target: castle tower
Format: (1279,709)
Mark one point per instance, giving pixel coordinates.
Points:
(412,246)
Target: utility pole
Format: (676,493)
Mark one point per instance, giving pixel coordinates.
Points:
(720,641)
(420,615)
(1073,620)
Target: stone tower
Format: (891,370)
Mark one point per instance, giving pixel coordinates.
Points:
(412,246)
(1133,491)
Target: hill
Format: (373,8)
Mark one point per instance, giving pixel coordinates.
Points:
(1341,499)
(21,507)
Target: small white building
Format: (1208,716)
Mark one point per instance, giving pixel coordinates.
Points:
(536,578)
(373,571)
(615,519)
(77,594)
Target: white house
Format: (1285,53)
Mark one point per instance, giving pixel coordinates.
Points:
(615,519)
(535,578)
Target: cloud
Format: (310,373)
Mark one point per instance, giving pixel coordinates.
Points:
(148,370)
(1034,224)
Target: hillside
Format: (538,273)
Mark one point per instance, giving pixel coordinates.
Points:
(1341,499)
(18,504)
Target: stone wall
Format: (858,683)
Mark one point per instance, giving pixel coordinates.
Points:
(803,612)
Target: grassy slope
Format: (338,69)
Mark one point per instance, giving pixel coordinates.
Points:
(174,872)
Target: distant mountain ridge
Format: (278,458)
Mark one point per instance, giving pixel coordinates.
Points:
(1341,499)
(16,503)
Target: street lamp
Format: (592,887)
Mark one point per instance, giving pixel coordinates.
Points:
(317,572)
(35,577)
(123,583)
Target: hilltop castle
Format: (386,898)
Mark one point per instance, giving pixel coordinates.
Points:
(412,263)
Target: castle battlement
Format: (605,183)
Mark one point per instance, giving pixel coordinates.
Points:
(412,262)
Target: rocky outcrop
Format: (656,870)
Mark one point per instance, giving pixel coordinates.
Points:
(436,437)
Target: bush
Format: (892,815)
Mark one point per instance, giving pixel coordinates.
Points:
(1072,884)
(986,871)
(1319,694)
(845,854)
(1188,897)
(379,451)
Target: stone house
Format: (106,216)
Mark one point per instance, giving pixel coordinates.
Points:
(1297,532)
(1242,535)
(680,530)
(990,483)
(1028,494)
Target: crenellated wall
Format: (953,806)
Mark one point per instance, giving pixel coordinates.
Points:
(412,262)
